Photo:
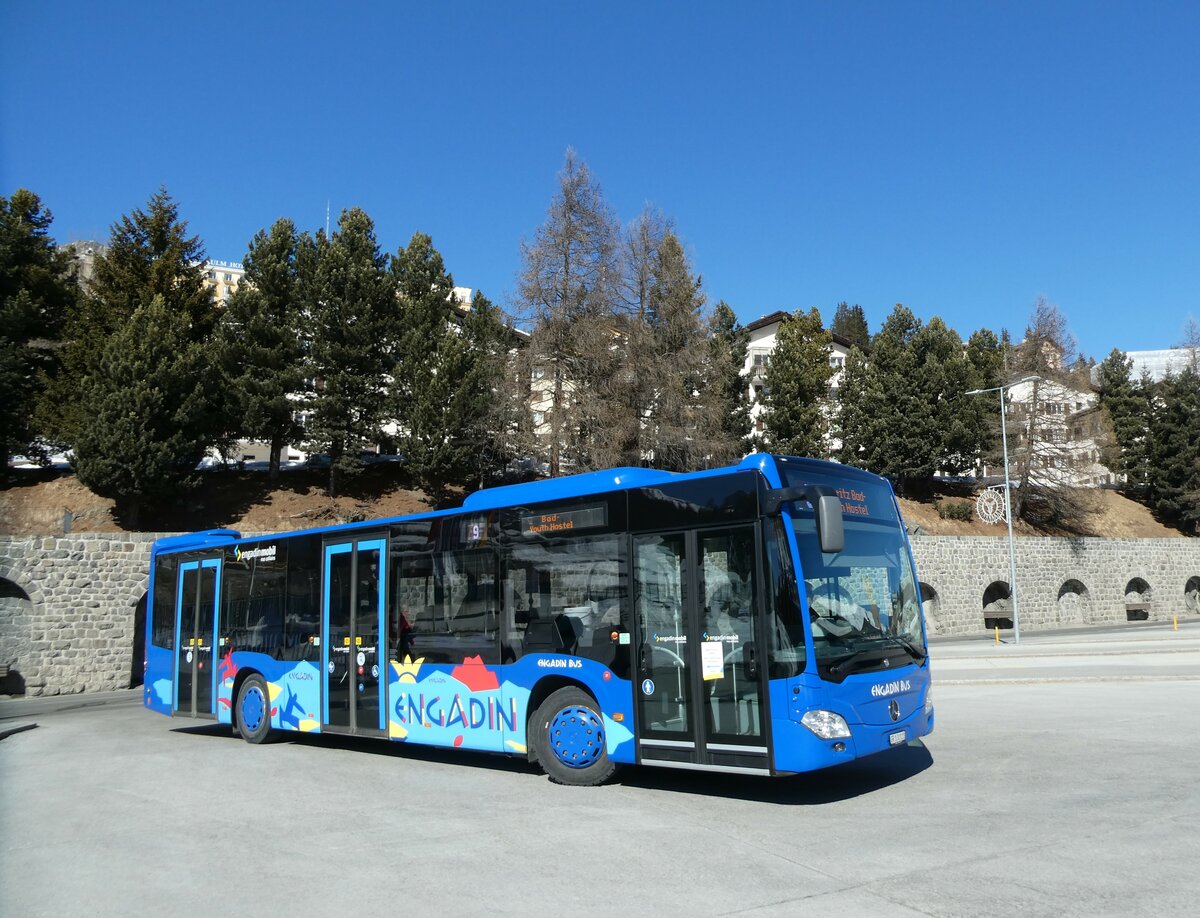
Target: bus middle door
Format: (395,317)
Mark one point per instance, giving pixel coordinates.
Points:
(354,629)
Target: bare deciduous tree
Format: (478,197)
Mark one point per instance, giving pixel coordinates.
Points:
(568,284)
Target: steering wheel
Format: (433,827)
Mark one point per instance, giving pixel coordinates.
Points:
(828,597)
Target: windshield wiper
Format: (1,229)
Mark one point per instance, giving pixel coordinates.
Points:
(843,665)
(914,651)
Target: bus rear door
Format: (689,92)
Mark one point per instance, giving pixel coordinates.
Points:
(197,601)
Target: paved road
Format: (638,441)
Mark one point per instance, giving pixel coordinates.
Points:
(1033,797)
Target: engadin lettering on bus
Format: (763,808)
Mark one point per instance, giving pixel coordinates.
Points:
(262,553)
(883,689)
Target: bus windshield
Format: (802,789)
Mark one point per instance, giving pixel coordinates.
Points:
(864,607)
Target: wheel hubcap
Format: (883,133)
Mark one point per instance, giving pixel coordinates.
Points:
(577,736)
(253,706)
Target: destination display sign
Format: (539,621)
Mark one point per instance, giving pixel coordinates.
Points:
(565,521)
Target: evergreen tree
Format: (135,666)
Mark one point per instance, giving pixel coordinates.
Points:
(350,299)
(985,357)
(447,374)
(37,286)
(1175,435)
(149,401)
(150,254)
(1130,412)
(261,340)
(797,387)
(728,343)
(683,426)
(851,323)
(951,424)
(569,284)
(889,423)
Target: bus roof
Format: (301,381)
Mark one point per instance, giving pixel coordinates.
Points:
(550,489)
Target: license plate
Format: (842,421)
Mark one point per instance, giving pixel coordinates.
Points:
(896,738)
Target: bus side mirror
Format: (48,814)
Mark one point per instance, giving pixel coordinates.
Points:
(827,507)
(830,532)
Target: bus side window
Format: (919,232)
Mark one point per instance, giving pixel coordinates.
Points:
(162,632)
(565,596)
(785,626)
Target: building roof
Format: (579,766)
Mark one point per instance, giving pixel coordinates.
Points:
(780,316)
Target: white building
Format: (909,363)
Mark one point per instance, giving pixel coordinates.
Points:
(758,357)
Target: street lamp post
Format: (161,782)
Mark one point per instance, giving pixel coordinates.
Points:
(1012,554)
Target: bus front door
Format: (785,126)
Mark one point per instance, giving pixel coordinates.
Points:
(353,628)
(698,684)
(197,599)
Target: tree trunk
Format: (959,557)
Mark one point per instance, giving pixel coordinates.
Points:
(276,453)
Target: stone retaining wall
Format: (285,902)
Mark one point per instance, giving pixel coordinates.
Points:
(74,629)
(1060,582)
(69,609)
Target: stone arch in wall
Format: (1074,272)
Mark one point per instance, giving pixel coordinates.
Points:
(1138,599)
(1074,603)
(931,605)
(137,665)
(997,605)
(19,601)
(1191,596)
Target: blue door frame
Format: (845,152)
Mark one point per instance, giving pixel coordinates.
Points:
(379,545)
(215,564)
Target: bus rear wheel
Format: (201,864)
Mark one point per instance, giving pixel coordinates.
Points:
(568,739)
(253,710)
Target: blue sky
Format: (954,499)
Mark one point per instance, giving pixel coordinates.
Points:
(960,158)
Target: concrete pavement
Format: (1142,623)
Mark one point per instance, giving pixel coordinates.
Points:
(1110,654)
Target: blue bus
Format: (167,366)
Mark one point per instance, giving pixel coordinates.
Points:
(762,618)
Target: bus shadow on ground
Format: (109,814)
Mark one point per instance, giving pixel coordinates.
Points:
(830,785)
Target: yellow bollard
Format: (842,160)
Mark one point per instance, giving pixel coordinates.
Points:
(1175,620)
(997,634)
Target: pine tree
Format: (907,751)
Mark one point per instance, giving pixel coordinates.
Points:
(684,427)
(985,357)
(850,323)
(350,299)
(447,376)
(1130,411)
(728,343)
(1175,434)
(953,426)
(261,340)
(568,283)
(37,286)
(797,387)
(888,423)
(149,401)
(150,254)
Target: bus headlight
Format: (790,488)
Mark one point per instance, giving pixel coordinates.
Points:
(929,700)
(826,724)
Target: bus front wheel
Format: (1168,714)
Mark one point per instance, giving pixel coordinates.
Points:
(568,739)
(253,710)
